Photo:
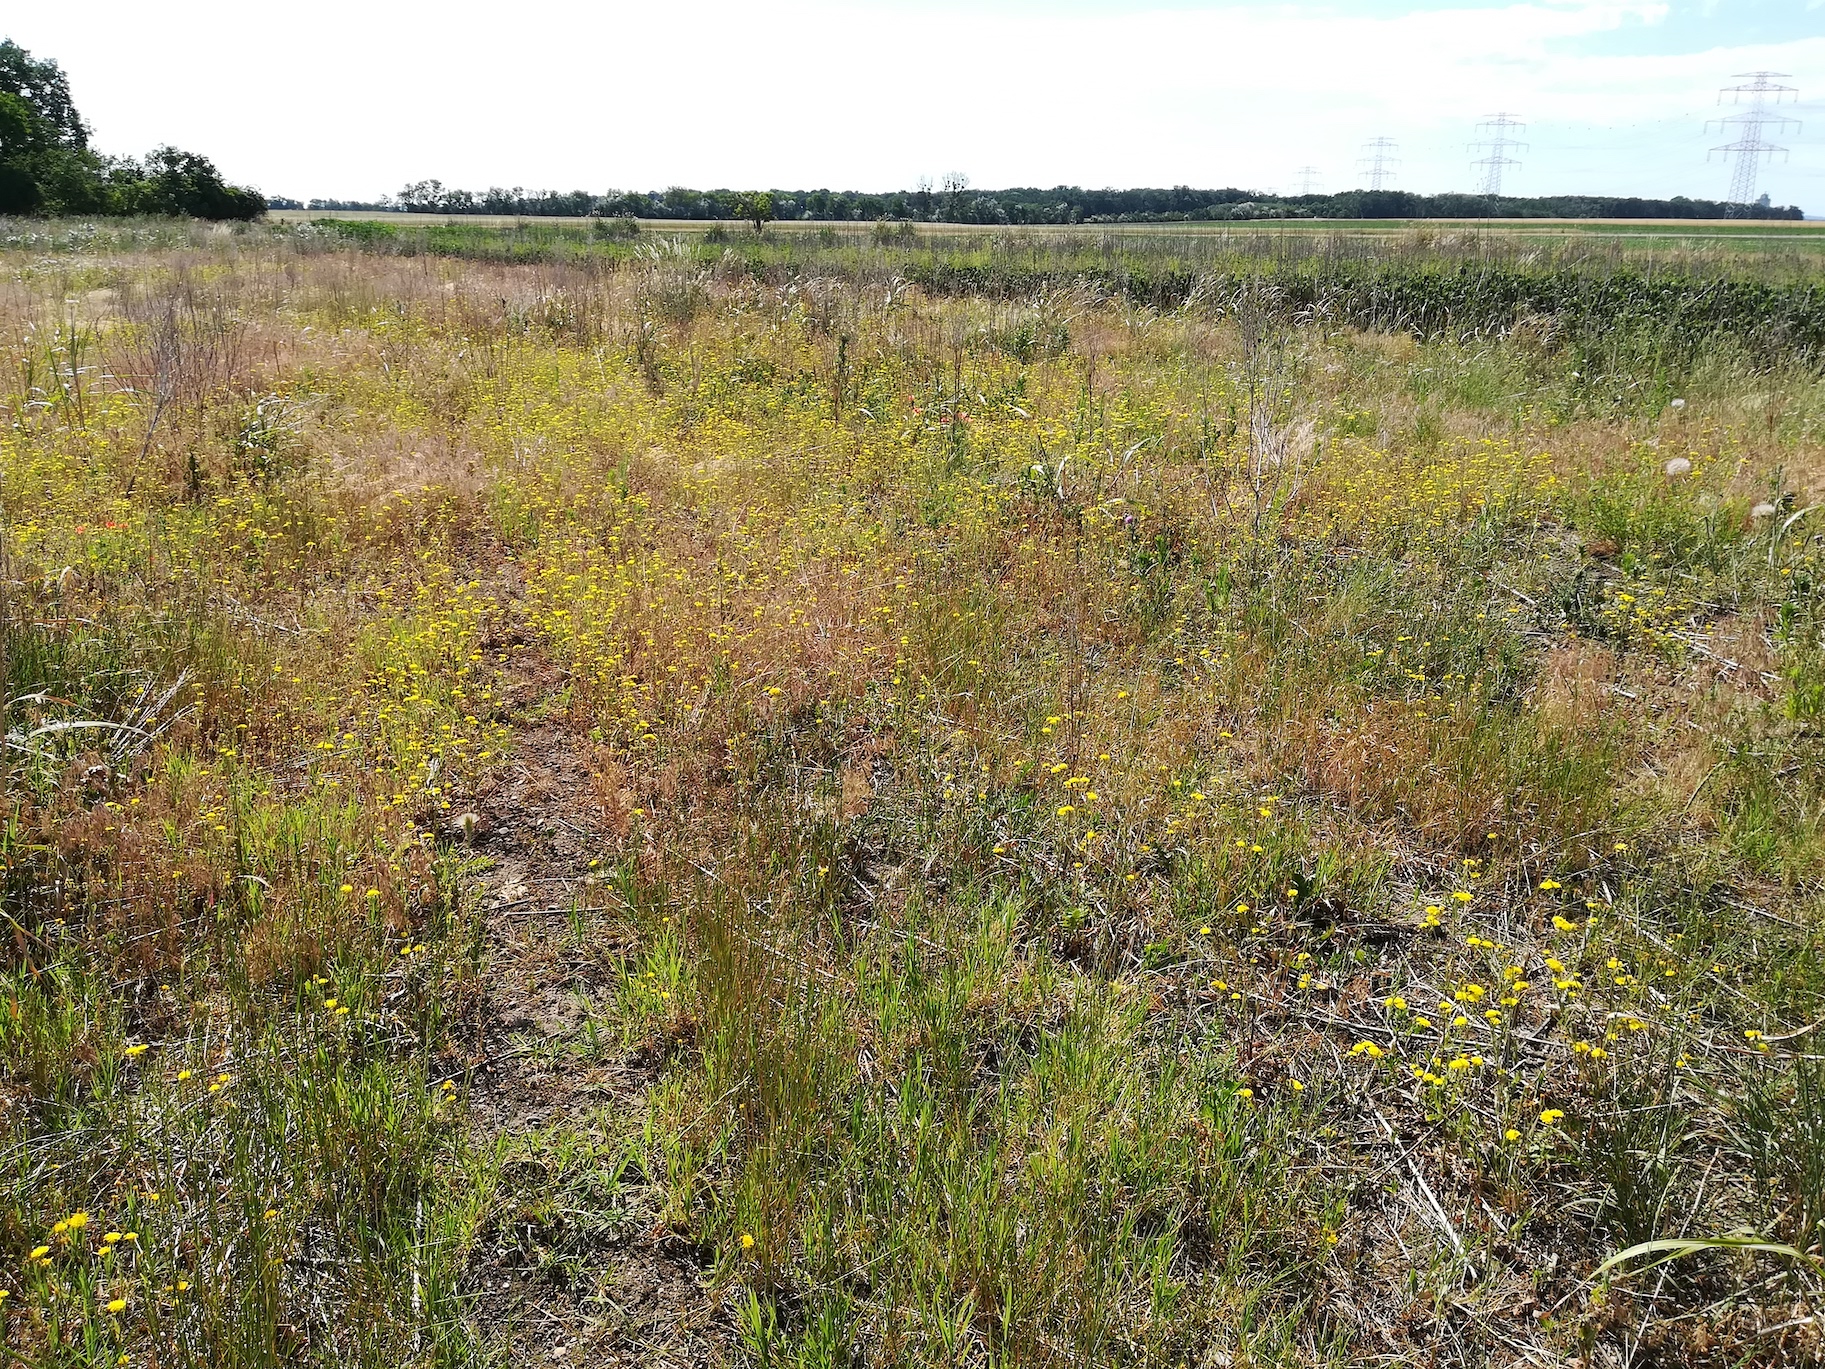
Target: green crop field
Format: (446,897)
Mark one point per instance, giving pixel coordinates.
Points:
(895,796)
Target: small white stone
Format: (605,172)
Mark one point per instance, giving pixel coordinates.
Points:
(1678,466)
(1677,404)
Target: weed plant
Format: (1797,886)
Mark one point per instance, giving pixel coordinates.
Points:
(1192,827)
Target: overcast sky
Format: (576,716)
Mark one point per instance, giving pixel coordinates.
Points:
(354,98)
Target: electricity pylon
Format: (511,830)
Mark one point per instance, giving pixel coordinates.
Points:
(1378,161)
(1496,142)
(1308,180)
(1750,148)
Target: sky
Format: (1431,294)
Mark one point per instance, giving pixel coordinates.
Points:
(356,98)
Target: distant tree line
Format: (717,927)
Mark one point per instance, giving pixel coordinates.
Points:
(47,166)
(954,202)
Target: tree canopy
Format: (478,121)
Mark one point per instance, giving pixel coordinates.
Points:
(47,166)
(43,87)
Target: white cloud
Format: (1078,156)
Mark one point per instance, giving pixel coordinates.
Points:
(350,98)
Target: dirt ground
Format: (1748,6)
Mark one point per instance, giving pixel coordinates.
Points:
(575,1263)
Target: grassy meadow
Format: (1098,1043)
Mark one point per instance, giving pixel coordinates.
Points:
(855,799)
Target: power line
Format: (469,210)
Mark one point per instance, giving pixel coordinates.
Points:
(1750,148)
(1308,180)
(1378,161)
(1495,140)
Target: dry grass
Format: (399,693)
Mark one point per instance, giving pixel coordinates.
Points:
(915,830)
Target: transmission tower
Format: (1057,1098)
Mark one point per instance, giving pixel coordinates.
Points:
(1378,161)
(1493,140)
(1749,147)
(1308,180)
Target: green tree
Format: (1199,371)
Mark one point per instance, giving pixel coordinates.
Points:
(45,90)
(47,167)
(756,206)
(178,183)
(24,141)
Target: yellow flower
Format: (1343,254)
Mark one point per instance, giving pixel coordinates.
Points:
(747,1241)
(135,1050)
(39,1252)
(1551,1115)
(118,1305)
(1511,1135)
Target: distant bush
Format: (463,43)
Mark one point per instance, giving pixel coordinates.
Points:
(621,226)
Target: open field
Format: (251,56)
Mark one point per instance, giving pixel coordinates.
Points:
(834,801)
(1809,232)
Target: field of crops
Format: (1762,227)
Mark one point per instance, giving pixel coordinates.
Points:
(860,799)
